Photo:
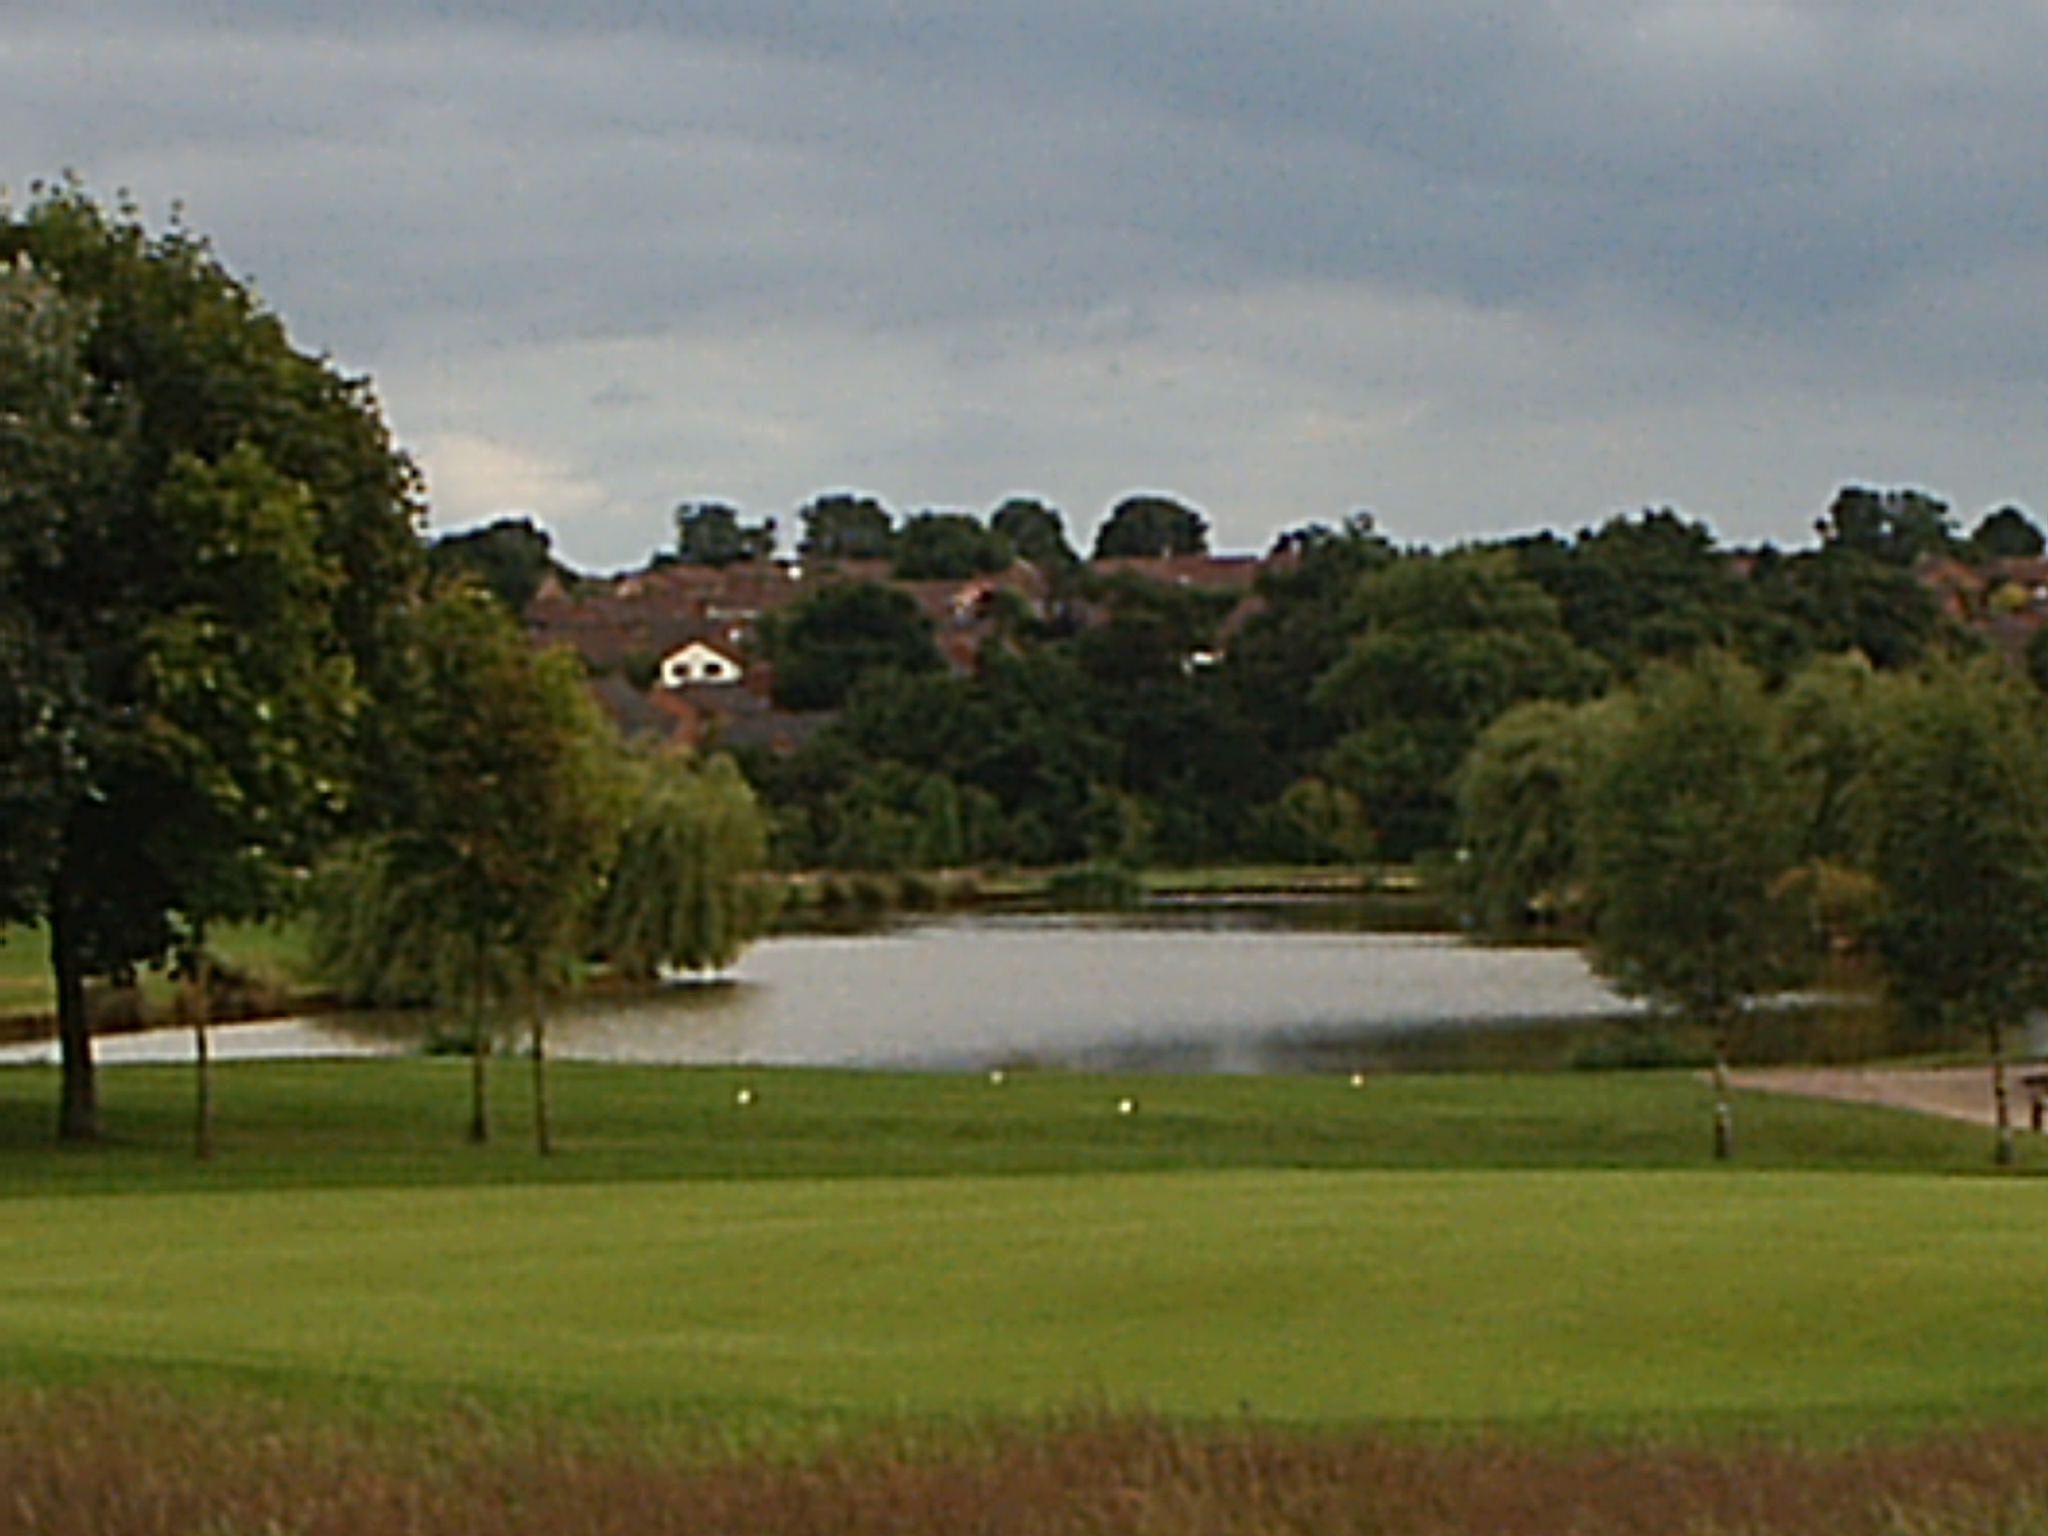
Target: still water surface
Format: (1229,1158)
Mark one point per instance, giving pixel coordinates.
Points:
(1213,994)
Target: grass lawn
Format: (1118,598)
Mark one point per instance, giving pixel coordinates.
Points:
(1530,1251)
(24,971)
(400,1121)
(272,953)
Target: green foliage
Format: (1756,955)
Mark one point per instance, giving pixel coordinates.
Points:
(1325,823)
(1826,716)
(478,894)
(45,463)
(1150,526)
(1519,794)
(687,890)
(512,814)
(1035,532)
(209,538)
(830,642)
(1656,587)
(2007,534)
(843,526)
(711,533)
(2036,659)
(1844,599)
(1100,885)
(1894,527)
(1955,822)
(1692,818)
(1356,666)
(1441,646)
(948,545)
(510,558)
(1297,633)
(374,942)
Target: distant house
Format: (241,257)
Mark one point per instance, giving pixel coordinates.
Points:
(699,662)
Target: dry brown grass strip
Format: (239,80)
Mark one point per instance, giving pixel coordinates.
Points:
(139,1464)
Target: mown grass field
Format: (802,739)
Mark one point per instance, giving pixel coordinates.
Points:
(1455,1298)
(1536,1251)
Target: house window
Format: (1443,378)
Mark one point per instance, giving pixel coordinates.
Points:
(697,663)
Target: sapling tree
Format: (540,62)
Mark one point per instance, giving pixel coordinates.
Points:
(1691,820)
(1954,813)
(478,894)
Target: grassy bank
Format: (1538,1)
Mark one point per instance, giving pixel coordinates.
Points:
(268,965)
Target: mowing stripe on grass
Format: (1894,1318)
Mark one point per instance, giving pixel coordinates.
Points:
(1303,1296)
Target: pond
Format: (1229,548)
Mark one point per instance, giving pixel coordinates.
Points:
(1197,990)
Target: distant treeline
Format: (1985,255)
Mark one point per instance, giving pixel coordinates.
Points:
(1323,715)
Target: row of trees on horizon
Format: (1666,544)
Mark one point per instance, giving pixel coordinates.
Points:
(515,553)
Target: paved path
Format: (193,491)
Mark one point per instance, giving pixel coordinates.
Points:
(1963,1093)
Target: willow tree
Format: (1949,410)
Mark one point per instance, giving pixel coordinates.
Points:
(1518,796)
(1954,810)
(689,890)
(1691,821)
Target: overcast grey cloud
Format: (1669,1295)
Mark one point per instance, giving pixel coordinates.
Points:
(1478,267)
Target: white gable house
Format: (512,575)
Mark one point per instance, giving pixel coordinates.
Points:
(698,662)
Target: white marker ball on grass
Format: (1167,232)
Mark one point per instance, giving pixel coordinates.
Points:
(744,1097)
(1127,1106)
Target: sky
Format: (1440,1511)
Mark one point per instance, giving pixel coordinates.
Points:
(1476,266)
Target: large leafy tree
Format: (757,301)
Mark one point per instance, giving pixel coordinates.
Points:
(948,546)
(1690,824)
(1298,631)
(1897,527)
(1955,813)
(208,535)
(2007,534)
(827,643)
(1440,647)
(46,460)
(1655,586)
(1841,598)
(512,557)
(1151,526)
(712,533)
(844,526)
(1036,532)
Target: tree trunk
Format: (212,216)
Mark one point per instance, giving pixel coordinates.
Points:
(2001,1100)
(202,1059)
(479,1083)
(78,1110)
(543,1115)
(1724,1110)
